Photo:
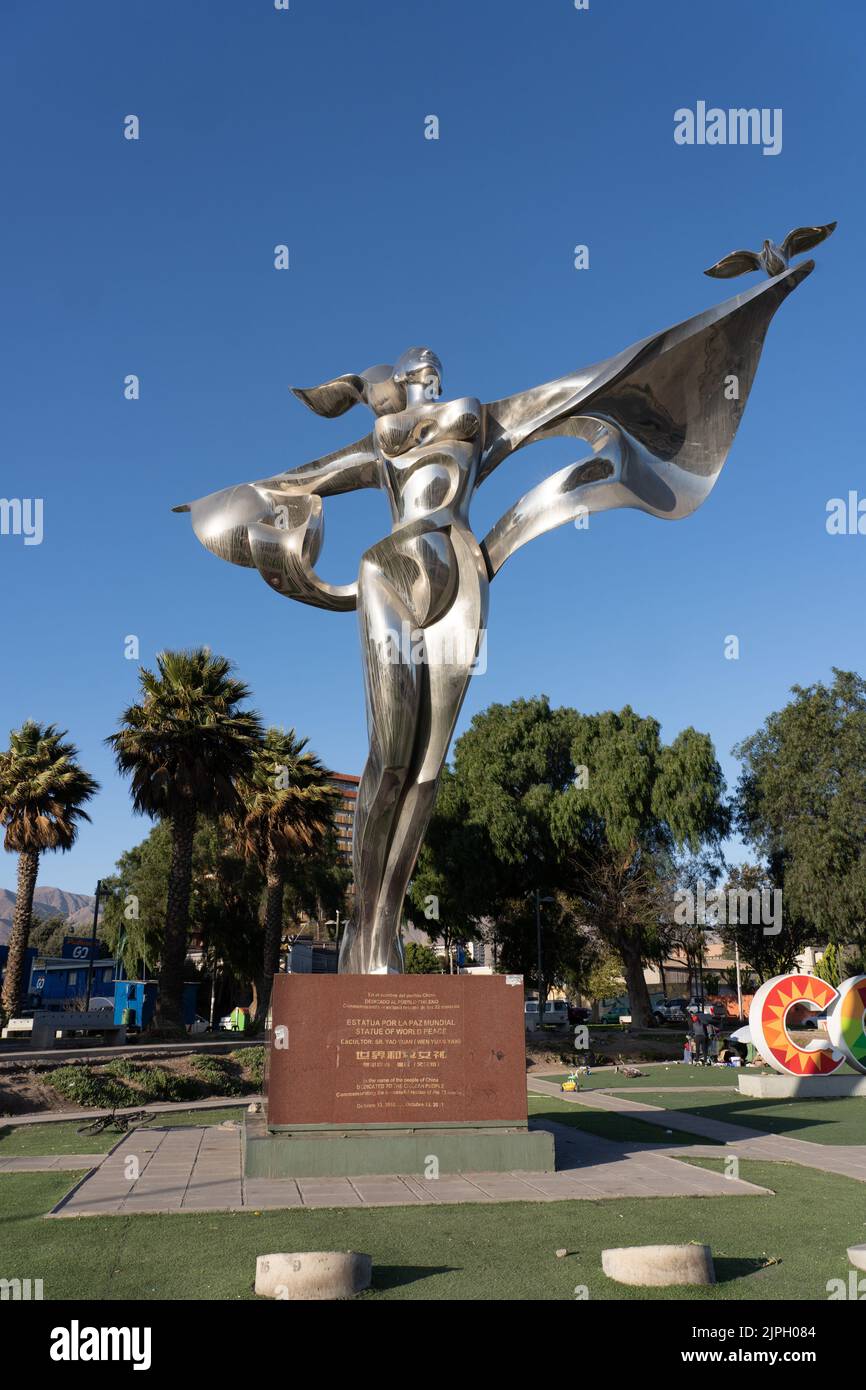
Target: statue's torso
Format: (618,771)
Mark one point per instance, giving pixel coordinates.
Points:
(429,456)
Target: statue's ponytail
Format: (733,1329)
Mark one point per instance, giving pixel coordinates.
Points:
(375,387)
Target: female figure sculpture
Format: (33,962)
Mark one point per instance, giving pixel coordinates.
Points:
(658,420)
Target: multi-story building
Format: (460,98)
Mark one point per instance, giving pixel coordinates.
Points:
(347,785)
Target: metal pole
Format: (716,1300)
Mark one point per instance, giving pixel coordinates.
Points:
(739,981)
(213,989)
(93,944)
(538,943)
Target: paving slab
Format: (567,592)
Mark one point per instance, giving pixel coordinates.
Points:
(201,1170)
(269,1193)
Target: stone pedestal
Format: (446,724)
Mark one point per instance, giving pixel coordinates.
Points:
(395,1074)
(779,1087)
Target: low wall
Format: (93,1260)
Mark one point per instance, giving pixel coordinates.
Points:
(778,1087)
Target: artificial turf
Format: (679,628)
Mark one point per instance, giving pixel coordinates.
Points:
(765,1247)
(837,1120)
(604,1124)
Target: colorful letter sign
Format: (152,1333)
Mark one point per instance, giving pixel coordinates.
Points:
(784,1002)
(846,1026)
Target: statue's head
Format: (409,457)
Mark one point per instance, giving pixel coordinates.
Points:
(419,366)
(385,389)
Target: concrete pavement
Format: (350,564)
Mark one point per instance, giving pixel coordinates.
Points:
(195,1169)
(848,1161)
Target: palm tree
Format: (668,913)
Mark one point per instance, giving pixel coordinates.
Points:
(186,746)
(42,796)
(289,805)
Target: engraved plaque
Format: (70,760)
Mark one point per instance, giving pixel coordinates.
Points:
(412,1050)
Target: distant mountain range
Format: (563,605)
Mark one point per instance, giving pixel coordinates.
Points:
(77,908)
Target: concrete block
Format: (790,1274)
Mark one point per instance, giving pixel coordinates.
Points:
(658,1266)
(779,1087)
(328,1153)
(319,1274)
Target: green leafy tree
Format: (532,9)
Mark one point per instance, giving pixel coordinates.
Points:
(748,983)
(802,804)
(635,805)
(831,966)
(590,808)
(288,808)
(565,950)
(135,898)
(48,934)
(499,848)
(603,979)
(187,746)
(765,953)
(224,908)
(454,884)
(318,888)
(43,792)
(226,904)
(419,959)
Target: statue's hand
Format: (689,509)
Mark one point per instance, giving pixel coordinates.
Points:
(285,545)
(273,531)
(221,520)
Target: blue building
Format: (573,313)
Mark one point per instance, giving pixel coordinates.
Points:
(51,980)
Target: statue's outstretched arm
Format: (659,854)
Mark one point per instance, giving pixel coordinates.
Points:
(277,525)
(594,485)
(355,466)
(660,418)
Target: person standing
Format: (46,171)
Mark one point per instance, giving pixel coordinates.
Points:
(698,1030)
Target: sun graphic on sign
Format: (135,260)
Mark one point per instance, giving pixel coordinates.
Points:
(782,994)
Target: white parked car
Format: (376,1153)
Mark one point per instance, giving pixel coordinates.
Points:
(555,1011)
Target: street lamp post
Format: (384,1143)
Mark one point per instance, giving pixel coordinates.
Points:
(538,901)
(93,944)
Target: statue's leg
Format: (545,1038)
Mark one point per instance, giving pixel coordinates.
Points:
(392,686)
(451,650)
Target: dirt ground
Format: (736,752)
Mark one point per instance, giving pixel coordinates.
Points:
(22,1092)
(23,1087)
(606,1044)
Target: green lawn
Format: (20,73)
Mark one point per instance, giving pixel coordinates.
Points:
(622,1129)
(669,1075)
(25,1141)
(784,1246)
(839,1120)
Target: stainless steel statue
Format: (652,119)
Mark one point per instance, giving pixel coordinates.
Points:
(657,421)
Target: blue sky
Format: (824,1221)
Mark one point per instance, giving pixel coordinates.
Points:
(306,127)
